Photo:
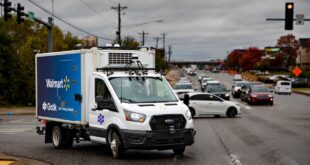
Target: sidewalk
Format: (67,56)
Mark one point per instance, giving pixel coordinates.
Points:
(15,160)
(17,110)
(301,92)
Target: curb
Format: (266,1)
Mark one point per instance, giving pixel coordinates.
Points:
(301,93)
(16,113)
(16,160)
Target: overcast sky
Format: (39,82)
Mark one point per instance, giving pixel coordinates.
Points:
(196,29)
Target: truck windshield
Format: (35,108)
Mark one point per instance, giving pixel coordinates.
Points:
(142,89)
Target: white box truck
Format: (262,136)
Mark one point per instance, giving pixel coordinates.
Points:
(107,96)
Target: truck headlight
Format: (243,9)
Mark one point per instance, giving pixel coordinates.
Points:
(188,115)
(135,117)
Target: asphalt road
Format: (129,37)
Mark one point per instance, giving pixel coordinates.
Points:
(278,134)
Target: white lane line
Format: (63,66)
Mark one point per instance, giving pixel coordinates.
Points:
(14,130)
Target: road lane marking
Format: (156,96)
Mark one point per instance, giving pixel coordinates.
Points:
(14,130)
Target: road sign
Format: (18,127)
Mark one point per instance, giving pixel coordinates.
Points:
(300,19)
(296,71)
(30,15)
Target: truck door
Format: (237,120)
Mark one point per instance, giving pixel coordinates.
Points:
(102,108)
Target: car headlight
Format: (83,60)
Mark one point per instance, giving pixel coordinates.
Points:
(135,117)
(227,95)
(253,95)
(188,115)
(270,95)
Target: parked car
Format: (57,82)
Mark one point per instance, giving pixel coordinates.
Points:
(259,94)
(211,84)
(201,104)
(220,91)
(245,87)
(235,89)
(182,88)
(283,87)
(237,77)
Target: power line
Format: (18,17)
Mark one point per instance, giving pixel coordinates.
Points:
(45,10)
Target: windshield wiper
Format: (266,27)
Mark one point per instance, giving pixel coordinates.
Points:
(127,100)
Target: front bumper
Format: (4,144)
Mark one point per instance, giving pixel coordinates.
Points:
(161,140)
(261,100)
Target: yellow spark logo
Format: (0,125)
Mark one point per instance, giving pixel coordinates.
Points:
(66,83)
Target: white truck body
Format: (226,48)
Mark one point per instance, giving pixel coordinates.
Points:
(83,94)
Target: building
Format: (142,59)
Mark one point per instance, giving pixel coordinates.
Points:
(303,54)
(90,41)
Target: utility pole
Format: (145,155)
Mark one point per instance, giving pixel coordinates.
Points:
(143,37)
(164,38)
(119,8)
(157,39)
(1,8)
(169,54)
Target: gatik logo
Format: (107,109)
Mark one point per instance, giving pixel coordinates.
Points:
(63,83)
(49,106)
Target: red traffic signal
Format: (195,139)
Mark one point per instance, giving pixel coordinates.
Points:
(289,16)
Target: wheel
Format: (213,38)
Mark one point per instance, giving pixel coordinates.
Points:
(61,138)
(193,112)
(57,137)
(115,144)
(231,112)
(179,151)
(271,103)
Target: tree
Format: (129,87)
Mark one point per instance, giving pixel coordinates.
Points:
(250,58)
(233,58)
(289,46)
(130,43)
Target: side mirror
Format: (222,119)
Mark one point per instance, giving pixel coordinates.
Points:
(233,86)
(228,90)
(186,99)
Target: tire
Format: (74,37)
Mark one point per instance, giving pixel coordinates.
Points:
(231,112)
(61,138)
(115,144)
(193,112)
(57,137)
(179,151)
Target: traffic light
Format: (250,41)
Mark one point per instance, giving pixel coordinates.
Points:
(7,9)
(289,16)
(20,13)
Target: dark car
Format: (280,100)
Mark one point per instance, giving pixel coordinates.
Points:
(219,90)
(245,87)
(299,82)
(259,94)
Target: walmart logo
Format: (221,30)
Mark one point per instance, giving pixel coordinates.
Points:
(63,83)
(66,83)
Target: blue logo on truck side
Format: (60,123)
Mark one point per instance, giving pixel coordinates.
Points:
(100,119)
(57,85)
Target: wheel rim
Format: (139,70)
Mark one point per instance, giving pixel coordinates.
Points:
(113,143)
(56,137)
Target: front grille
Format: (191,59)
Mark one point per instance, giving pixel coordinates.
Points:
(160,122)
(262,96)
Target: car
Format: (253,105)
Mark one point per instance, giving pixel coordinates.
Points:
(202,76)
(237,77)
(184,80)
(244,88)
(259,94)
(204,82)
(181,88)
(201,104)
(211,83)
(220,91)
(283,87)
(235,89)
(299,82)
(192,73)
